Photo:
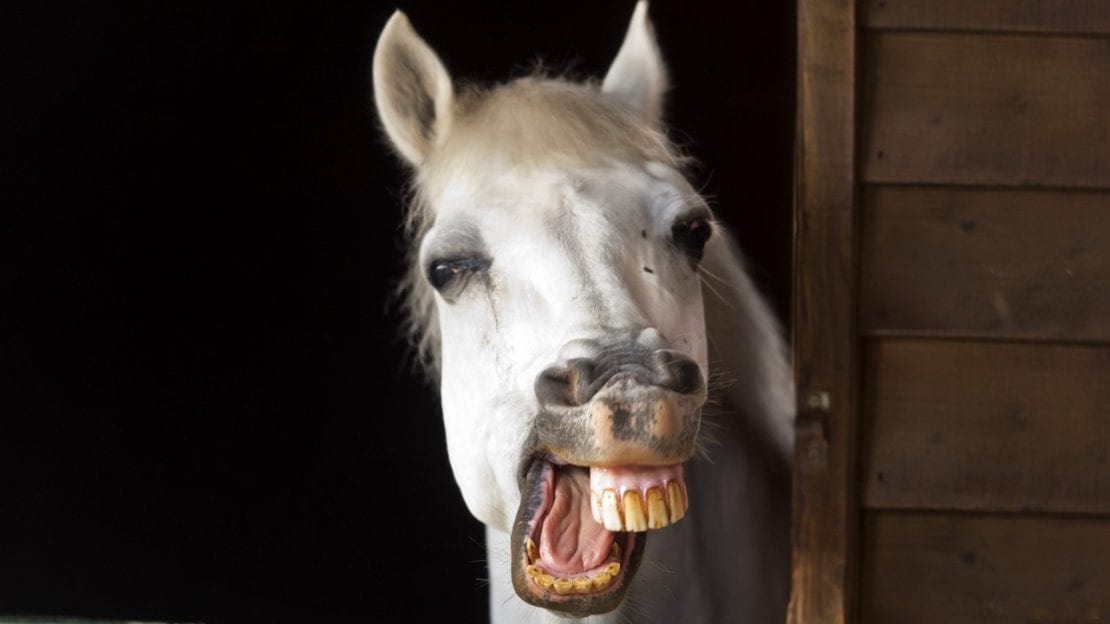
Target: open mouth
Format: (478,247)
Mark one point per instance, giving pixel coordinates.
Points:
(578,535)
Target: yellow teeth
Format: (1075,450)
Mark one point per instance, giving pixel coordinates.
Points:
(615,551)
(631,512)
(579,584)
(634,518)
(563,586)
(531,548)
(676,502)
(657,509)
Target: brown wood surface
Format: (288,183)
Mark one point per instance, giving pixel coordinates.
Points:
(1055,16)
(986,262)
(987,426)
(946,108)
(825,332)
(929,568)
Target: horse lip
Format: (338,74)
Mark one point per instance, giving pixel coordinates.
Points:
(538,469)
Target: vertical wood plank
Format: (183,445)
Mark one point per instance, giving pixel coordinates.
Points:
(825,531)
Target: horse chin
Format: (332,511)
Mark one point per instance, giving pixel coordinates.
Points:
(594,583)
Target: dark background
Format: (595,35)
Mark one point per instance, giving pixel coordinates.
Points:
(205,412)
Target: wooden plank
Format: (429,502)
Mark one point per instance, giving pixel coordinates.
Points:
(987,110)
(1059,16)
(923,568)
(986,262)
(825,530)
(987,426)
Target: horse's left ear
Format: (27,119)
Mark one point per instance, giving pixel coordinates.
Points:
(637,78)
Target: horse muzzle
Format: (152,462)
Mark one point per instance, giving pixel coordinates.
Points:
(629,406)
(610,439)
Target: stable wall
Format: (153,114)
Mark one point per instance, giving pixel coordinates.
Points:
(953,312)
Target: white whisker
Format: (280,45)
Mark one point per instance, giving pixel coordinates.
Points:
(705,271)
(724,300)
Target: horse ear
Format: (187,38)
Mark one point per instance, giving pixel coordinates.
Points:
(412,90)
(637,77)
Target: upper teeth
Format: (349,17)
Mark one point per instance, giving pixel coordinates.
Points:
(634,511)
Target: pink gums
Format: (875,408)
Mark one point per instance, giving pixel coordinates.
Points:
(640,478)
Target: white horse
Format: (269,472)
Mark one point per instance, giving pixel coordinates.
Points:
(572,294)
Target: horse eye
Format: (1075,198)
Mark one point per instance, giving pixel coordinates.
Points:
(443,273)
(691,234)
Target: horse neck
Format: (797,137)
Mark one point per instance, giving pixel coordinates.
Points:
(728,559)
(748,473)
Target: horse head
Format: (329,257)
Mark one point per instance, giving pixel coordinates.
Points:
(556,247)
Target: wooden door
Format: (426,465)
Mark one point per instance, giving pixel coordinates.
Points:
(952,312)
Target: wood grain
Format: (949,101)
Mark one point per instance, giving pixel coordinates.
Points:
(987,426)
(986,262)
(825,333)
(1058,16)
(923,568)
(945,108)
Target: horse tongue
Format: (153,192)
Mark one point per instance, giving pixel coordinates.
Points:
(571,540)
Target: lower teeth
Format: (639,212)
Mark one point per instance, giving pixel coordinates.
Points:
(530,546)
(580,584)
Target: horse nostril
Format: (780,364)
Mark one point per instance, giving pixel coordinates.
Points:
(566,386)
(677,372)
(577,381)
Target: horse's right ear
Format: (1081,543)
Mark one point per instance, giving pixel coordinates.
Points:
(412,90)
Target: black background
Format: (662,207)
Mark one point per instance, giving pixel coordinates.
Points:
(205,411)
